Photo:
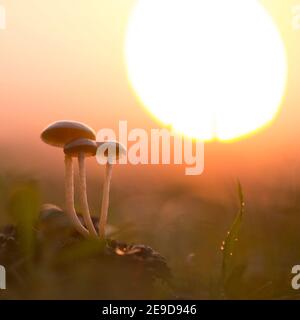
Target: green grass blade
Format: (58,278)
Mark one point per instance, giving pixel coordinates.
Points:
(229,243)
(24,205)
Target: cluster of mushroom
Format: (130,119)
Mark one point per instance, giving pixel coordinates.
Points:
(79,141)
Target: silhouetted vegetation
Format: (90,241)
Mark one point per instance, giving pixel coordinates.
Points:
(191,248)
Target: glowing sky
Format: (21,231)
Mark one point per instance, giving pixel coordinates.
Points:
(64,59)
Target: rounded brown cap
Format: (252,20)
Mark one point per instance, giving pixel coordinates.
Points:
(86,146)
(60,133)
(112,150)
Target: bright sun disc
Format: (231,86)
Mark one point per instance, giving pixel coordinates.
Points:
(210,69)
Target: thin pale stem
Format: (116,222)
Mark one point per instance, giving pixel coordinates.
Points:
(105,200)
(69,194)
(83,196)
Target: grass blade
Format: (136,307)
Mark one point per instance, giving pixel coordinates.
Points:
(24,204)
(229,243)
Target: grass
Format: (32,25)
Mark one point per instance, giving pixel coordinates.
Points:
(229,244)
(185,228)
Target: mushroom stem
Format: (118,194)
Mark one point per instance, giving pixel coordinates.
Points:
(83,195)
(105,200)
(69,194)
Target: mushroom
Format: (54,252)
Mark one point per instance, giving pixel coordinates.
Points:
(109,151)
(58,134)
(82,148)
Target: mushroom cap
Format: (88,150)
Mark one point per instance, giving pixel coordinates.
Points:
(86,146)
(61,132)
(113,150)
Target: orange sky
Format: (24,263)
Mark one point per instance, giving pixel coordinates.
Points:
(63,59)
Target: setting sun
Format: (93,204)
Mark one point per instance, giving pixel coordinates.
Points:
(210,69)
